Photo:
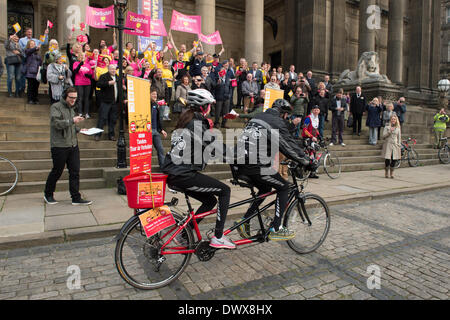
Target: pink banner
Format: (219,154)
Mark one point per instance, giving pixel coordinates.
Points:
(100,18)
(212,39)
(157,28)
(184,23)
(139,22)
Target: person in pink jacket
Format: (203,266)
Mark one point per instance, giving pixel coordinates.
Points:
(83,76)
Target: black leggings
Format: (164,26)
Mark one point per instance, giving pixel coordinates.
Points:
(205,189)
(390,163)
(265,184)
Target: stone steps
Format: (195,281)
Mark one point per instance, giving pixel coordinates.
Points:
(24,138)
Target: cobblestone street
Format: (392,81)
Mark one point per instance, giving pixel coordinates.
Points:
(407,237)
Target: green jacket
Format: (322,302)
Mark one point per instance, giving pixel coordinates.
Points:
(300,105)
(63,131)
(256,110)
(440,122)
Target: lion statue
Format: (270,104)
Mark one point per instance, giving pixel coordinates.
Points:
(368,70)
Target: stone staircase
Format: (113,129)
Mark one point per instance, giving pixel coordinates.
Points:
(24,139)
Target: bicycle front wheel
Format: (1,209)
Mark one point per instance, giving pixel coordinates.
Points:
(332,166)
(413,158)
(9,176)
(138,260)
(310,221)
(444,154)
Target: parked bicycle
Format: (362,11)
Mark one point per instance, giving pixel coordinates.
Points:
(444,152)
(9,176)
(321,153)
(408,153)
(155,262)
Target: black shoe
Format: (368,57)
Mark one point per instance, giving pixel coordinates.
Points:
(50,200)
(31,102)
(359,134)
(11,95)
(112,138)
(314,176)
(217,126)
(97,138)
(81,202)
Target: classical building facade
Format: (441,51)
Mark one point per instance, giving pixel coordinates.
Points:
(325,36)
(445,40)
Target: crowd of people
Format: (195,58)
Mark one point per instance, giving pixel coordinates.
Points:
(189,83)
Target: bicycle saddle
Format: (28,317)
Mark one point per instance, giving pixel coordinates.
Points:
(240,179)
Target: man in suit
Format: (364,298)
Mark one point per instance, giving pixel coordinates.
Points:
(292,74)
(232,73)
(108,84)
(357,107)
(257,75)
(338,107)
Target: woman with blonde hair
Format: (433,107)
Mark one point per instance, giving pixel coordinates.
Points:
(392,145)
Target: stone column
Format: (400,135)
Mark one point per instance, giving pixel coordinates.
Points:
(395,41)
(366,32)
(207,10)
(3,20)
(338,38)
(254,31)
(70,13)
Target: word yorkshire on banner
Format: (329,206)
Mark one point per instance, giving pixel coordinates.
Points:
(212,39)
(140,125)
(184,23)
(139,23)
(100,18)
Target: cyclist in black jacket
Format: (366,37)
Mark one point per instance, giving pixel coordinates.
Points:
(264,131)
(185,161)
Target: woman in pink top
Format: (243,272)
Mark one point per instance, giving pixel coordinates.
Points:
(135,63)
(83,75)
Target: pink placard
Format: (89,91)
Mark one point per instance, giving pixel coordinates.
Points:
(184,23)
(139,22)
(157,28)
(212,39)
(100,18)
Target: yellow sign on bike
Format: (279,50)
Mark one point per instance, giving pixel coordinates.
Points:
(140,125)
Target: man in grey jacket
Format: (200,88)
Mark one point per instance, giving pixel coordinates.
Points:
(64,147)
(250,91)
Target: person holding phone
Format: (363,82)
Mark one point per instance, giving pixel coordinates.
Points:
(64,147)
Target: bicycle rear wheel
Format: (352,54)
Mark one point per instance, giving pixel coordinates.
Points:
(444,154)
(9,176)
(332,166)
(413,158)
(308,237)
(136,256)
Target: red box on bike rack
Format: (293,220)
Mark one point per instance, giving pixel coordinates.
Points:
(143,194)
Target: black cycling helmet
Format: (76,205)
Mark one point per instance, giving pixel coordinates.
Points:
(283,106)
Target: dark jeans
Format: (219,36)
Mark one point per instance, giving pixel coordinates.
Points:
(321,123)
(222,108)
(14,73)
(33,88)
(338,129)
(158,145)
(107,115)
(62,157)
(232,97)
(357,122)
(240,97)
(83,99)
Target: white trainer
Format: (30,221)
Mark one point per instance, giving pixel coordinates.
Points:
(222,243)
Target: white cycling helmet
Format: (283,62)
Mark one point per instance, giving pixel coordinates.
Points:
(200,98)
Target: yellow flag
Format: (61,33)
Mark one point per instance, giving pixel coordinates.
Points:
(17,27)
(290,93)
(42,38)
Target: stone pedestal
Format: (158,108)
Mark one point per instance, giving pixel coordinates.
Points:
(375,89)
